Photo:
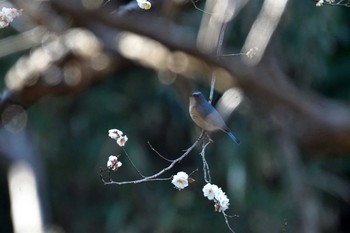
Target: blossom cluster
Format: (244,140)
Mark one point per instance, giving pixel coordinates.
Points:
(113,163)
(7,15)
(118,136)
(214,193)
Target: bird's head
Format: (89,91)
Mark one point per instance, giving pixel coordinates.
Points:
(197,97)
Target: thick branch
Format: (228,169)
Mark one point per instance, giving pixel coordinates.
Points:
(319,119)
(314,120)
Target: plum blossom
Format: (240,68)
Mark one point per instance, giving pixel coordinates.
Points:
(180,180)
(213,192)
(209,190)
(113,163)
(122,140)
(222,201)
(118,136)
(115,133)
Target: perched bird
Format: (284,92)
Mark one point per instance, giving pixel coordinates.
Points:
(206,116)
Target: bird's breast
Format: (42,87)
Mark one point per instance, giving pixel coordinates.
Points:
(196,117)
(202,120)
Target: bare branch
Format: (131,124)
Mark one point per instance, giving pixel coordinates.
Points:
(226,221)
(155,177)
(152,148)
(308,109)
(318,118)
(132,163)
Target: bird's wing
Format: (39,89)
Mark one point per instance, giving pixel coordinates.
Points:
(215,121)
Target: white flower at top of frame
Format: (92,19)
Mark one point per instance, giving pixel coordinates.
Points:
(7,15)
(113,163)
(180,180)
(210,190)
(122,140)
(144,4)
(319,3)
(115,133)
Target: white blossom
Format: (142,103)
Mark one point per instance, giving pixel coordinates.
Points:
(180,180)
(223,201)
(213,192)
(115,133)
(218,193)
(7,15)
(113,163)
(118,136)
(144,4)
(122,140)
(209,190)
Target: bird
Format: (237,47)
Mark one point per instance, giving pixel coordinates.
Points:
(206,116)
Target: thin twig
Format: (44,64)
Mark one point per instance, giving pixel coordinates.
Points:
(152,148)
(218,51)
(155,176)
(226,221)
(132,163)
(193,172)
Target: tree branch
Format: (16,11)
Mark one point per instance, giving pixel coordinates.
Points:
(316,121)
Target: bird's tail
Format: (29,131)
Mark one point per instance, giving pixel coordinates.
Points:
(233,137)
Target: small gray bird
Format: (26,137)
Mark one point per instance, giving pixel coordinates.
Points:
(206,116)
